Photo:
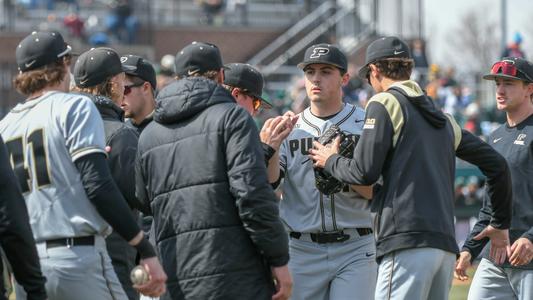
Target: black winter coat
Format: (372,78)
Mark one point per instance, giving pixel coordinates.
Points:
(201,169)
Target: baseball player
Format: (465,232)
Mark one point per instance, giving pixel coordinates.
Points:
(332,248)
(200,169)
(56,145)
(410,143)
(514,140)
(99,74)
(246,85)
(15,234)
(139,91)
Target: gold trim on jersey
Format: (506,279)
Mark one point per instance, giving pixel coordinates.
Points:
(86,150)
(456,131)
(392,105)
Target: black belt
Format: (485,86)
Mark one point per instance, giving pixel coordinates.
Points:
(69,242)
(330,237)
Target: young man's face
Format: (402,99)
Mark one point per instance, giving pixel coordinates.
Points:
(323,82)
(512,94)
(133,102)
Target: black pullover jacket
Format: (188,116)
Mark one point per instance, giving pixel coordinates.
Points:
(413,145)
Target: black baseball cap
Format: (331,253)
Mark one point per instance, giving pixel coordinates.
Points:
(96,65)
(39,49)
(324,54)
(198,57)
(248,78)
(511,68)
(386,47)
(139,67)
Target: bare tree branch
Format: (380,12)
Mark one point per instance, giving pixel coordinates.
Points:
(474,41)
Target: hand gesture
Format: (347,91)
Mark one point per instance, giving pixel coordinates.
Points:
(283,283)
(499,243)
(521,252)
(321,153)
(275,130)
(156,286)
(462,265)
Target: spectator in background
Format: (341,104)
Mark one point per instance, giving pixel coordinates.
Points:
(239,7)
(210,8)
(514,50)
(298,95)
(121,18)
(75,26)
(165,74)
(418,52)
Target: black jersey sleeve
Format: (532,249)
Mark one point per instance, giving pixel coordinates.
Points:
(16,237)
(105,195)
(498,185)
(371,150)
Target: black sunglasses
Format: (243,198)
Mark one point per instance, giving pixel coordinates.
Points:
(127,88)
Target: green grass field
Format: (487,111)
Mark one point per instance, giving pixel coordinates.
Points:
(459,289)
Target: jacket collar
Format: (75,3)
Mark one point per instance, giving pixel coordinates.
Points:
(107,108)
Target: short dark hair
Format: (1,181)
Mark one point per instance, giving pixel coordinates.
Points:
(35,80)
(395,68)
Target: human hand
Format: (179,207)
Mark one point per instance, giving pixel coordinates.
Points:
(461,265)
(155,287)
(320,153)
(521,252)
(499,243)
(276,129)
(283,283)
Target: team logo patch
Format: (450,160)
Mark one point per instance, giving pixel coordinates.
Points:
(520,139)
(369,123)
(319,51)
(123,59)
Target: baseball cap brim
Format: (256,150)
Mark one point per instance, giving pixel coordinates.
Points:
(304,64)
(363,71)
(264,102)
(128,69)
(494,76)
(68,50)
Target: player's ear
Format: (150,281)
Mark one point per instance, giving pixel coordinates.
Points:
(345,78)
(235,92)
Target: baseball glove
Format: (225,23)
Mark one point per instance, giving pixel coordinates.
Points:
(324,182)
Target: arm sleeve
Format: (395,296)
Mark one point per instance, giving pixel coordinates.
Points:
(528,234)
(268,152)
(494,167)
(16,237)
(121,160)
(105,196)
(471,245)
(371,150)
(83,128)
(255,199)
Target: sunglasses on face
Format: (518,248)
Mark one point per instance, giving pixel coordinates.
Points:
(507,68)
(127,88)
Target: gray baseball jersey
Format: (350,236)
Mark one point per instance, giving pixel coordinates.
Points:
(303,208)
(44,137)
